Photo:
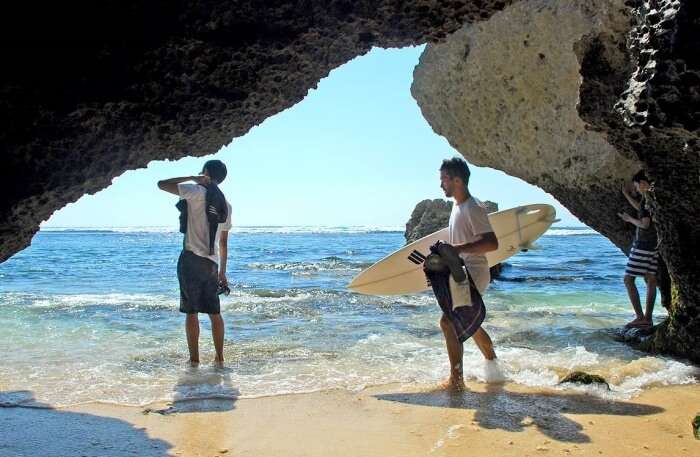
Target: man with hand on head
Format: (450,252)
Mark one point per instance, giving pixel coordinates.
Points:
(201,268)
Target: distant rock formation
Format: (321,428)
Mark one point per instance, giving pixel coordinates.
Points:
(429,216)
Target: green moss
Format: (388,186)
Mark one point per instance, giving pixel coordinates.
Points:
(580,377)
(675,296)
(696,426)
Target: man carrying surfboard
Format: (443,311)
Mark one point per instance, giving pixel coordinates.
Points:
(201,268)
(471,235)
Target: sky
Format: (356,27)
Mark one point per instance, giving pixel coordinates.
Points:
(356,151)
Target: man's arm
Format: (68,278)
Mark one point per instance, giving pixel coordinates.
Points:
(170,185)
(641,223)
(223,256)
(632,201)
(487,243)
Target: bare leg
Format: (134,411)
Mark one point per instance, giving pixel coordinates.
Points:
(217,332)
(634,298)
(455,352)
(651,297)
(192,331)
(484,343)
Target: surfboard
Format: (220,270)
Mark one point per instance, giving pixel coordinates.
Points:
(401,272)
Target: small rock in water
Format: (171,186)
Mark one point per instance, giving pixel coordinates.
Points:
(580,377)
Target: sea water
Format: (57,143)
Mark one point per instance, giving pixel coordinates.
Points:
(92,315)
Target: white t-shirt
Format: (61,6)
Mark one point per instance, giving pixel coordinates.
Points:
(468,222)
(197,236)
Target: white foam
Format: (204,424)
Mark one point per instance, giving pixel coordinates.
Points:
(493,373)
(82,300)
(554,231)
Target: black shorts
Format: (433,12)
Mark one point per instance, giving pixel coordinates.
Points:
(199,282)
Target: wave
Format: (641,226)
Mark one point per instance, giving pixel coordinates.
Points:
(241,229)
(102,230)
(326,264)
(150,369)
(319,229)
(550,278)
(570,231)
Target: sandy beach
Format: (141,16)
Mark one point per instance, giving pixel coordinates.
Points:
(487,420)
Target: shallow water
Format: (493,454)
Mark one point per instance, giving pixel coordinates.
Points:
(91,315)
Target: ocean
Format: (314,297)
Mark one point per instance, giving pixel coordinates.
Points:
(92,315)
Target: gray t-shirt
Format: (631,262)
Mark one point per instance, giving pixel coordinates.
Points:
(468,221)
(197,236)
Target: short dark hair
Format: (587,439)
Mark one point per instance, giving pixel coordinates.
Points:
(456,167)
(216,169)
(640,176)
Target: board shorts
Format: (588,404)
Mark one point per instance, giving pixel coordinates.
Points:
(466,320)
(199,281)
(642,262)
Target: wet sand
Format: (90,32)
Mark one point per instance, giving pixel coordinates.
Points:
(508,420)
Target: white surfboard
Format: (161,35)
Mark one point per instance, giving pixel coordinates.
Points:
(401,273)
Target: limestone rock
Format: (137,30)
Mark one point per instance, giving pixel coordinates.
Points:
(574,96)
(429,216)
(92,89)
(505,93)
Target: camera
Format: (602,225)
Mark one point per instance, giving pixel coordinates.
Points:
(223,289)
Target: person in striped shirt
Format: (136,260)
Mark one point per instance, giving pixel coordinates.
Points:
(644,254)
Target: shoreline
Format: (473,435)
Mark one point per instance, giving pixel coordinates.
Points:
(489,420)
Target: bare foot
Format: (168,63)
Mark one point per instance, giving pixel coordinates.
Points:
(642,323)
(218,363)
(454,384)
(635,322)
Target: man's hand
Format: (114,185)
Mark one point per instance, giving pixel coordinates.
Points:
(222,278)
(625,217)
(202,180)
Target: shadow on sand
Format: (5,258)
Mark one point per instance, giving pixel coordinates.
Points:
(33,429)
(201,389)
(498,408)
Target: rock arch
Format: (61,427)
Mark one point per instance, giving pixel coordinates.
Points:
(92,89)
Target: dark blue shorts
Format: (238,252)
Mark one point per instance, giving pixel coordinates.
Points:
(199,281)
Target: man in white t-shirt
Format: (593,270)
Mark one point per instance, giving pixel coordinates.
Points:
(472,236)
(200,271)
